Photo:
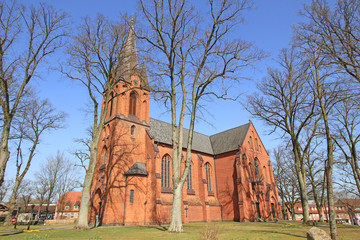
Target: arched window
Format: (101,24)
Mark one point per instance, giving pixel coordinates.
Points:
(264,173)
(189,179)
(257,172)
(165,172)
(104,155)
(111,104)
(132,130)
(256,145)
(208,176)
(132,106)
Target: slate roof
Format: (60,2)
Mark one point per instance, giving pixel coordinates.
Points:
(216,144)
(229,140)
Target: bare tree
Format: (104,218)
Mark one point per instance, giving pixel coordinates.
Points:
(347,138)
(41,189)
(316,175)
(24,195)
(192,59)
(56,177)
(96,60)
(286,180)
(287,103)
(35,119)
(28,37)
(83,154)
(325,84)
(4,190)
(337,33)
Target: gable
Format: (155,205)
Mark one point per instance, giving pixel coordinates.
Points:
(229,140)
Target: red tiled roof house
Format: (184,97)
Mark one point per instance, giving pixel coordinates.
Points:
(68,206)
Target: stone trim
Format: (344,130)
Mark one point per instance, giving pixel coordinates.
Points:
(190,192)
(166,190)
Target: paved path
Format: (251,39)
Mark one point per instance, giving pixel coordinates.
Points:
(12,230)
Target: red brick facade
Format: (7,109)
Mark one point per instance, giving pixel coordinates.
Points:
(133,183)
(68,206)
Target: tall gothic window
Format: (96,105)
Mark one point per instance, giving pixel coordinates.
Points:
(189,179)
(111,104)
(257,172)
(208,176)
(132,107)
(165,172)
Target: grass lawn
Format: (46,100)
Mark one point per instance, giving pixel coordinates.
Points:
(227,230)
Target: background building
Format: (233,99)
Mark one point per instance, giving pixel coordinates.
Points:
(68,206)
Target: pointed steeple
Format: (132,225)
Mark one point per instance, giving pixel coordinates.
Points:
(144,78)
(129,61)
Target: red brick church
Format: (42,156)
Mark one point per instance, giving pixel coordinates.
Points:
(230,177)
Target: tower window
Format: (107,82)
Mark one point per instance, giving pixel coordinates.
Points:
(165,172)
(111,103)
(132,107)
(132,131)
(131,196)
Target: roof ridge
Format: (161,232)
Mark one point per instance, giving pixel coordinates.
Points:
(183,127)
(231,129)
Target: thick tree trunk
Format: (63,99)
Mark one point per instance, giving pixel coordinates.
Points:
(86,193)
(300,171)
(4,150)
(176,221)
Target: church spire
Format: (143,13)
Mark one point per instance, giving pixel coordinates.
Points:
(144,78)
(129,61)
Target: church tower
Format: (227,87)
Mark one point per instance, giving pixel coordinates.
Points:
(121,172)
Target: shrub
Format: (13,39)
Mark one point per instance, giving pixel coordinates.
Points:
(210,233)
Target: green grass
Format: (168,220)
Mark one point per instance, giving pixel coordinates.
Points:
(228,230)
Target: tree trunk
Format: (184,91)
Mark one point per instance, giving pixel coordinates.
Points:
(333,228)
(300,172)
(176,221)
(86,193)
(8,219)
(4,150)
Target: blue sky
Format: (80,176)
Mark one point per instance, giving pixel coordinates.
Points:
(268,26)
